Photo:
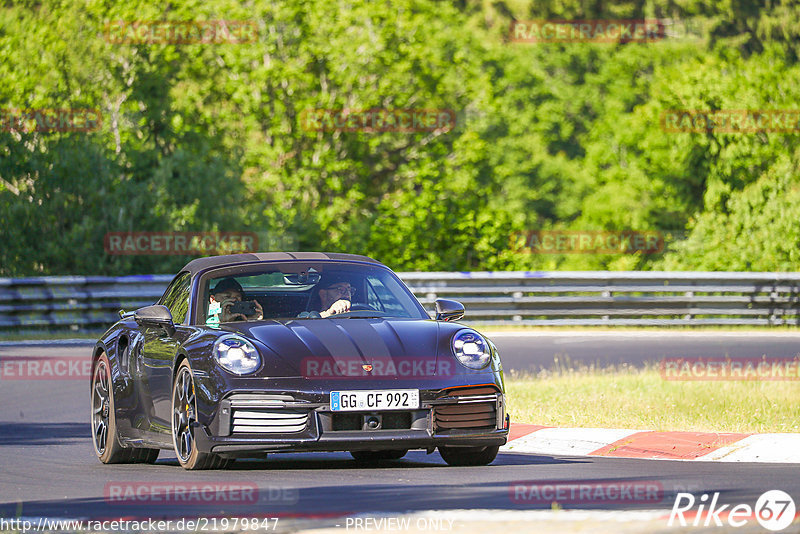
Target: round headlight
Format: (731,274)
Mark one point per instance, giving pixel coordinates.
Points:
(237,355)
(471,349)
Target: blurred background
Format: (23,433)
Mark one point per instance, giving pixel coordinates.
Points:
(208,137)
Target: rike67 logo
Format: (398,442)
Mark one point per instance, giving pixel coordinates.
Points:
(774,510)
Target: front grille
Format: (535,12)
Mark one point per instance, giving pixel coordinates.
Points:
(467,391)
(346,421)
(476,408)
(396,421)
(269,421)
(389,421)
(264,414)
(472,415)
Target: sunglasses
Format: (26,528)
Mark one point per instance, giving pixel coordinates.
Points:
(343,289)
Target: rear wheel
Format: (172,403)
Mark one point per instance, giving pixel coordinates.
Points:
(469,455)
(374,456)
(107,446)
(184,415)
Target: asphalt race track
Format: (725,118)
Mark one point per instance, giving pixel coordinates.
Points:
(48,468)
(531,352)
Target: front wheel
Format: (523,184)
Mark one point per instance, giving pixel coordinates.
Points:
(184,415)
(469,455)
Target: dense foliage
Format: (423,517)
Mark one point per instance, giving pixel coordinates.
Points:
(208,137)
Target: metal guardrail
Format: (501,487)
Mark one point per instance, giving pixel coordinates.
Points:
(615,298)
(76,303)
(80,303)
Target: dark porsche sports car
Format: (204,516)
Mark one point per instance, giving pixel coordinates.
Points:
(249,354)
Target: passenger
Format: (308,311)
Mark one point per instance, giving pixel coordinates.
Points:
(225,294)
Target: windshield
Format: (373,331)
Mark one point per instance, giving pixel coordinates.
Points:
(286,291)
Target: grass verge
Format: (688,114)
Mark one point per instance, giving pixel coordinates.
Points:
(639,399)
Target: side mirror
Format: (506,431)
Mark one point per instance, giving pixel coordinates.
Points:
(155,315)
(448,310)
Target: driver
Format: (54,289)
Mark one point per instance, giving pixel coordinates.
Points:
(336,297)
(335,294)
(225,294)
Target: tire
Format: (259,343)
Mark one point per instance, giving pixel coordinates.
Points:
(145,456)
(105,439)
(376,456)
(184,410)
(460,456)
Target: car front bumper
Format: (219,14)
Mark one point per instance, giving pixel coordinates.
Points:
(253,423)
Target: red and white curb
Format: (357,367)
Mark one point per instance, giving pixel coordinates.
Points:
(617,443)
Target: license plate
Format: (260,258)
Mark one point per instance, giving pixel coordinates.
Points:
(381,399)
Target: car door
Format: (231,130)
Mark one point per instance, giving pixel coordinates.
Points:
(158,353)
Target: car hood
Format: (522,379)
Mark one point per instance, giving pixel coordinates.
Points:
(292,348)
